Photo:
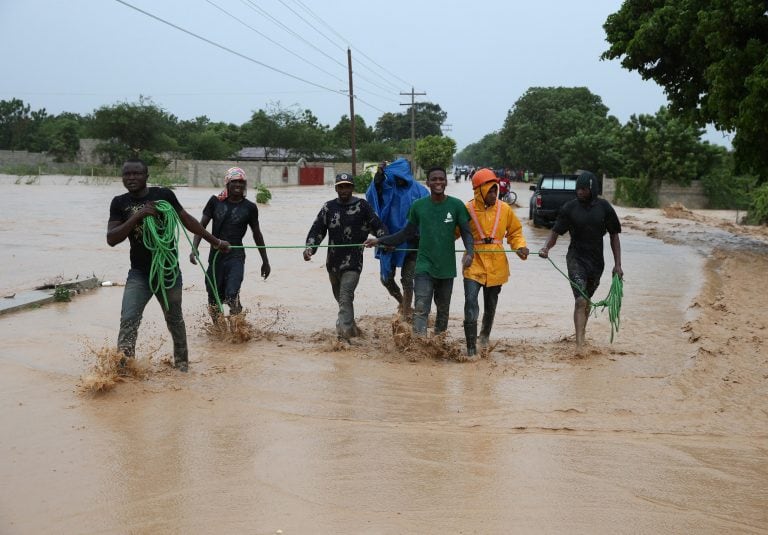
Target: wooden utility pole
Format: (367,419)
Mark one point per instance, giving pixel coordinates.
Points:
(352,113)
(413,119)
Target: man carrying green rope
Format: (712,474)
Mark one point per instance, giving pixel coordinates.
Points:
(587,218)
(126,220)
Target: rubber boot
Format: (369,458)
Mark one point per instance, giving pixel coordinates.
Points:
(470,332)
(485,331)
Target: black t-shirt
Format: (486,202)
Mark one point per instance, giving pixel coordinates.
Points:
(345,224)
(124,206)
(231,221)
(587,224)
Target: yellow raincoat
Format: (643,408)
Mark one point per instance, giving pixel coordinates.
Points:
(492,269)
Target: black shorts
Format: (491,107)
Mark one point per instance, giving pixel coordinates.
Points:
(585,275)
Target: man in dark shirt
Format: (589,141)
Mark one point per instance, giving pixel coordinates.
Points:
(126,220)
(587,218)
(347,220)
(232,214)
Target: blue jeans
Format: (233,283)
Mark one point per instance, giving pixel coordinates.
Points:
(344,285)
(228,278)
(135,298)
(426,287)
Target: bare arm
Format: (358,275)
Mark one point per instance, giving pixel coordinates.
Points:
(194,226)
(616,249)
(469,245)
(196,240)
(258,239)
(551,241)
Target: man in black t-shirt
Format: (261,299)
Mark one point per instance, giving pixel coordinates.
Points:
(347,220)
(587,218)
(232,214)
(126,220)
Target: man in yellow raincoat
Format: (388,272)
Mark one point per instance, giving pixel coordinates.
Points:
(491,222)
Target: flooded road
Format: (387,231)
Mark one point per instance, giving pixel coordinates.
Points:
(662,431)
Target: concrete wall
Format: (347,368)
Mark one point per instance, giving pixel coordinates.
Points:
(609,189)
(210,173)
(23,157)
(692,196)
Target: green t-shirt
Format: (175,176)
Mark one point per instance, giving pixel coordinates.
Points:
(437,224)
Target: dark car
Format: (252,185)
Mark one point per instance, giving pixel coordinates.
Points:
(550,193)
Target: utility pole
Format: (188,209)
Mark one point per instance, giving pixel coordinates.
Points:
(352,112)
(413,119)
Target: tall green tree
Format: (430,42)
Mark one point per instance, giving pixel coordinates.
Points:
(486,153)
(711,58)
(286,128)
(663,147)
(342,132)
(537,127)
(19,124)
(428,120)
(141,128)
(434,150)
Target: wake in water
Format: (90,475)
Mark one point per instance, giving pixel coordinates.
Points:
(110,367)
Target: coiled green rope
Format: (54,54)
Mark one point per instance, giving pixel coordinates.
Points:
(160,235)
(612,301)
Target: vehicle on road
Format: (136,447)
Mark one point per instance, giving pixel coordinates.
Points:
(550,193)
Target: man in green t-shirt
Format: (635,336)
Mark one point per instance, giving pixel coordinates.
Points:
(434,219)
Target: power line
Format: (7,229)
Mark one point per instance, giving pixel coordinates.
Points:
(274,42)
(227,49)
(251,4)
(284,26)
(343,39)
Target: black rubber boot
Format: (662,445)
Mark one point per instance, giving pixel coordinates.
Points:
(485,331)
(470,332)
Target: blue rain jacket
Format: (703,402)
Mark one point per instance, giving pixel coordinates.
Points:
(393,209)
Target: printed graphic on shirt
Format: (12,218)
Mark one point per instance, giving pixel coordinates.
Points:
(448,218)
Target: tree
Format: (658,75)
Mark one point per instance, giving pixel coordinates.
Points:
(141,128)
(434,150)
(487,152)
(60,137)
(597,150)
(342,132)
(287,128)
(376,151)
(536,128)
(429,119)
(662,147)
(18,124)
(711,58)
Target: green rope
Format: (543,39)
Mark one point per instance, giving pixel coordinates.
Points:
(612,301)
(215,291)
(160,235)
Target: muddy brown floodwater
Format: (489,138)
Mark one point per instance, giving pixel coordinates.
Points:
(663,431)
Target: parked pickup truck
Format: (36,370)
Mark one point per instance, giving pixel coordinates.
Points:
(549,194)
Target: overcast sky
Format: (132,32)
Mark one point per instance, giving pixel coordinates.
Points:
(473,58)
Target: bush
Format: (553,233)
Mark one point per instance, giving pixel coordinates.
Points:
(362,182)
(758,207)
(727,192)
(636,192)
(263,195)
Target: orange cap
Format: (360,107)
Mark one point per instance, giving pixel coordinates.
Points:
(482,176)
